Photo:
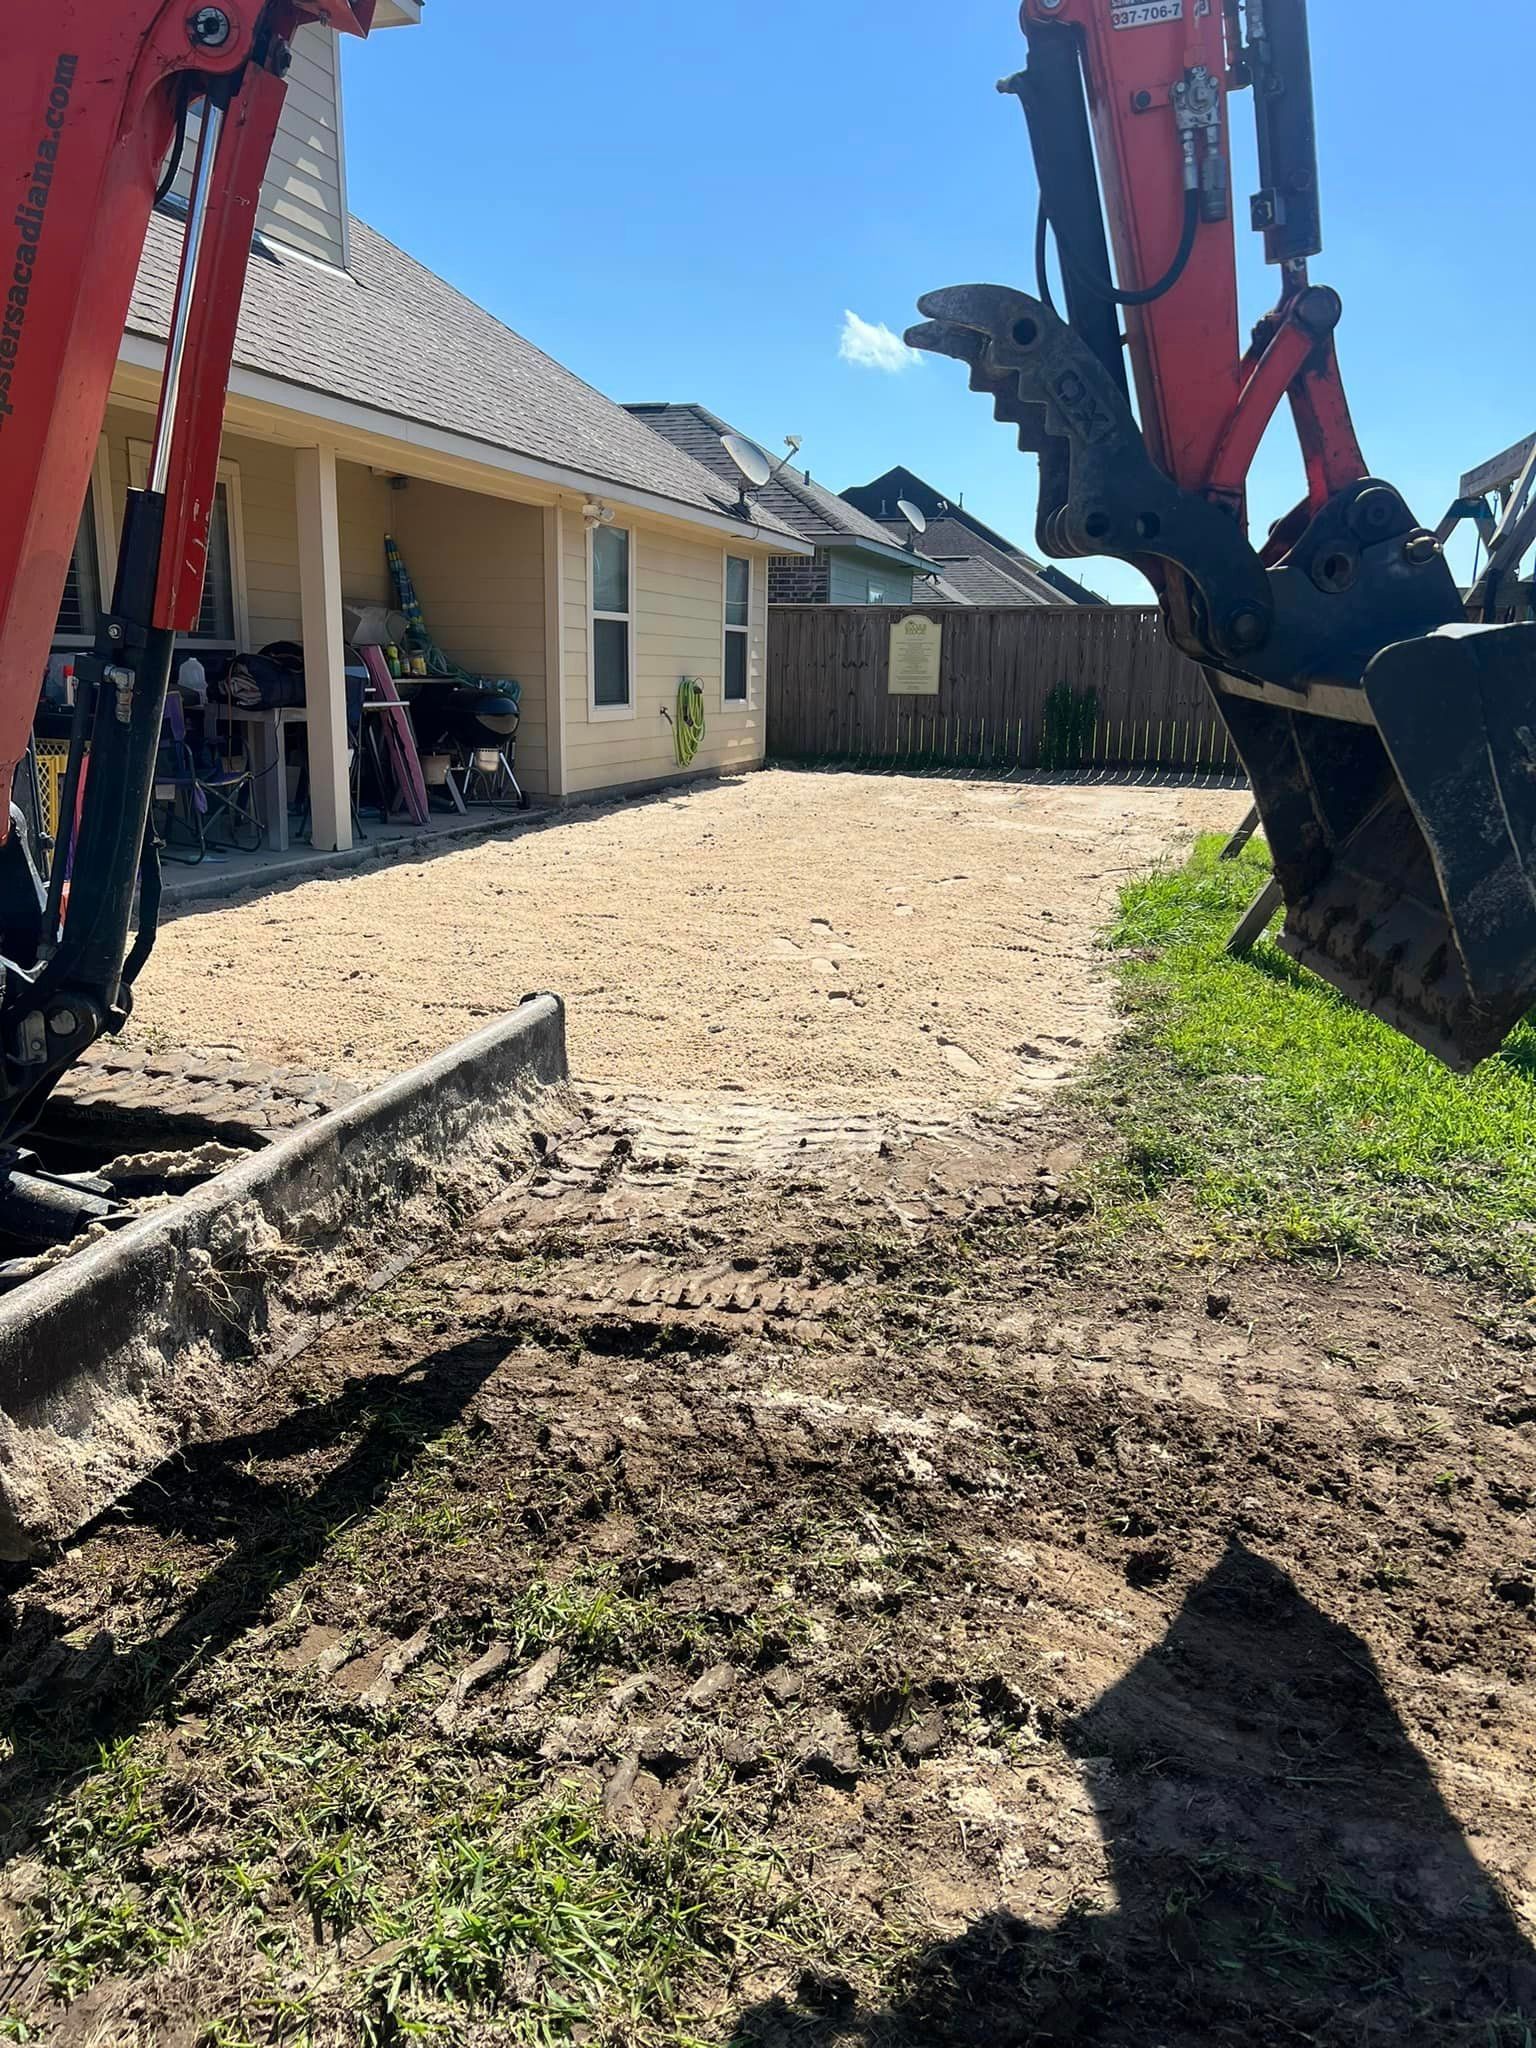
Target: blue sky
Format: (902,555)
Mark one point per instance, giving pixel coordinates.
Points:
(684,202)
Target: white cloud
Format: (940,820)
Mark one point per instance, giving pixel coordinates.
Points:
(873,346)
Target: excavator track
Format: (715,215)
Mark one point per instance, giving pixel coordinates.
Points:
(158,1097)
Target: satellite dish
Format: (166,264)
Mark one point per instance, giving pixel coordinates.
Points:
(748,458)
(915,517)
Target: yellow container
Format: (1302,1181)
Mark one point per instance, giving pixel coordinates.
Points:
(52,766)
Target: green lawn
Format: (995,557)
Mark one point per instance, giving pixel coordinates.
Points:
(1252,1108)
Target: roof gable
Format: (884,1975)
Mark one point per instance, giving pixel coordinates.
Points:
(901,482)
(953,533)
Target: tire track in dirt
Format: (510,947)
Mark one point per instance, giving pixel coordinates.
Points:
(1106,1649)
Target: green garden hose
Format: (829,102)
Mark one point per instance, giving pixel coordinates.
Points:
(688,726)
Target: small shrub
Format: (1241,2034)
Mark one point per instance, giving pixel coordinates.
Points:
(1066,737)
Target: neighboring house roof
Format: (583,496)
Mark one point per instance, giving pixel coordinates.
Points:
(392,335)
(980,582)
(1077,593)
(973,564)
(877,500)
(806,508)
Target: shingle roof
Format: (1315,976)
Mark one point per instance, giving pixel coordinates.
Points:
(973,563)
(980,582)
(879,498)
(1079,593)
(806,508)
(902,482)
(939,590)
(393,335)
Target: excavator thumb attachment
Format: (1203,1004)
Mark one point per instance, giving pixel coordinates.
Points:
(1396,777)
(1402,824)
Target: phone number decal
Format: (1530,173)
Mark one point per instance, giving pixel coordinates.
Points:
(1142,13)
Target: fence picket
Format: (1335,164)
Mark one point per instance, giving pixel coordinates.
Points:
(829,697)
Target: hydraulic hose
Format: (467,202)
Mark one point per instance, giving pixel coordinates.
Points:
(1042,250)
(179,145)
(1107,292)
(688,725)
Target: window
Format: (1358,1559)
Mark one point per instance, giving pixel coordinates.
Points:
(221,616)
(216,618)
(738,627)
(89,564)
(877,591)
(613,645)
(82,587)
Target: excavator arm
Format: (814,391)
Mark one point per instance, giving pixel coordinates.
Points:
(1387,741)
(94,100)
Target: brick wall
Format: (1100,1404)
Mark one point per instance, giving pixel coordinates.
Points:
(794,580)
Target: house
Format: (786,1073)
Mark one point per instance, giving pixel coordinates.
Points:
(552,538)
(856,560)
(976,564)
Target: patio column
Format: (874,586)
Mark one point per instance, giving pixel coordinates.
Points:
(314,476)
(554,649)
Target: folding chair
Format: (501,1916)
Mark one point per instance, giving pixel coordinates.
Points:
(177,798)
(217,794)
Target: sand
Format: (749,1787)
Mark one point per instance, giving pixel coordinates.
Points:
(800,937)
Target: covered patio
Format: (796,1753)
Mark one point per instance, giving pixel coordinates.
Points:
(554,542)
(230,871)
(297,552)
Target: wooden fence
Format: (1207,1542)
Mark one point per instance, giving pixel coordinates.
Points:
(1032,687)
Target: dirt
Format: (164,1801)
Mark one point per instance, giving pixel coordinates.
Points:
(782,1574)
(800,937)
(1093,1651)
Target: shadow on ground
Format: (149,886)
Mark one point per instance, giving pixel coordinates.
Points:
(1285,1869)
(60,1702)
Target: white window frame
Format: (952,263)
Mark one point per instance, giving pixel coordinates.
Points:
(100,499)
(596,711)
(744,632)
(229,477)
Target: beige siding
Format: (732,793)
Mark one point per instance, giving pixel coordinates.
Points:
(120,427)
(267,565)
(270,520)
(267,570)
(365,505)
(303,201)
(577,629)
(678,623)
(478,567)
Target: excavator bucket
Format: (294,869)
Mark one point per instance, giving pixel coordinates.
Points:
(1401,818)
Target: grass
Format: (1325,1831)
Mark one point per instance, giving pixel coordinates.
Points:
(1253,1109)
(384,1882)
(442,1914)
(333,1871)
(575,1931)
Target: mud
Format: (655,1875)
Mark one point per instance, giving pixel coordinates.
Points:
(1106,1652)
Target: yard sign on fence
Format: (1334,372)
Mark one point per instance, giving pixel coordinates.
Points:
(917,649)
(1054,686)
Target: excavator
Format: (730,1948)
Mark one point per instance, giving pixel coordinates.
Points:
(1387,724)
(1389,737)
(95,100)
(1390,741)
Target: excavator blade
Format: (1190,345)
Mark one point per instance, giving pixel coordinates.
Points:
(158,1336)
(1402,824)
